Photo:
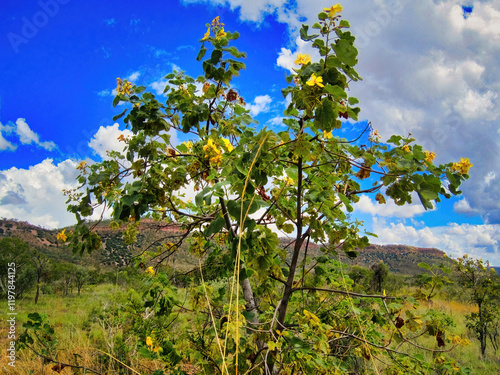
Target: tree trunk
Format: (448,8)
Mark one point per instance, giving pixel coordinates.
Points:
(37,292)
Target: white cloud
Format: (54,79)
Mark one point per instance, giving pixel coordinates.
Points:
(25,134)
(429,71)
(5,144)
(35,194)
(106,139)
(479,241)
(250,10)
(390,209)
(261,104)
(134,77)
(106,92)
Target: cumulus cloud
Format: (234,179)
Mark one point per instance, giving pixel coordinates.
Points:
(479,241)
(24,134)
(261,104)
(35,194)
(254,10)
(427,68)
(106,139)
(390,209)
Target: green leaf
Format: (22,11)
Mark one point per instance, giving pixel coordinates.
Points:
(120,115)
(424,266)
(352,100)
(395,139)
(304,36)
(325,116)
(198,199)
(336,91)
(346,52)
(201,54)
(215,57)
(215,226)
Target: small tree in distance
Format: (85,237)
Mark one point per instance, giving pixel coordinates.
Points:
(484,287)
(278,310)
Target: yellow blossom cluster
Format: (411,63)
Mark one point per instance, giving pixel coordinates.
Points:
(288,181)
(188,144)
(150,270)
(327,135)
(303,59)
(212,153)
(227,145)
(123,88)
(151,346)
(333,10)
(429,156)
(462,166)
(218,29)
(315,81)
(61,237)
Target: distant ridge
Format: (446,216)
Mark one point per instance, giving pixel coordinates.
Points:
(399,258)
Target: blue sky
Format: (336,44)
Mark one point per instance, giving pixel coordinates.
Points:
(429,67)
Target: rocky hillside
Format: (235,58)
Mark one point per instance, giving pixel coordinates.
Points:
(400,258)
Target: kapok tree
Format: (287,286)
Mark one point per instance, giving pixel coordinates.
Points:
(283,311)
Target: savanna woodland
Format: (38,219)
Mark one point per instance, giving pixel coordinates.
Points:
(253,304)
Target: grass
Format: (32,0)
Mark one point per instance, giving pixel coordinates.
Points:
(77,334)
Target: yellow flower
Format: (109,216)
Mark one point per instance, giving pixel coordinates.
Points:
(217,158)
(229,147)
(429,156)
(149,342)
(221,33)
(185,90)
(210,145)
(333,10)
(463,166)
(406,148)
(212,153)
(215,21)
(315,81)
(81,165)
(61,237)
(119,83)
(151,271)
(327,135)
(127,88)
(303,59)
(207,34)
(188,144)
(288,181)
(375,133)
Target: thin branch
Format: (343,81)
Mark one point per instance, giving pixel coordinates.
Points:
(345,292)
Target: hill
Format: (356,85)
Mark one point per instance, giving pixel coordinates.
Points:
(399,258)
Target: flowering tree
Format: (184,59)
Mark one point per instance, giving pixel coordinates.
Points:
(277,310)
